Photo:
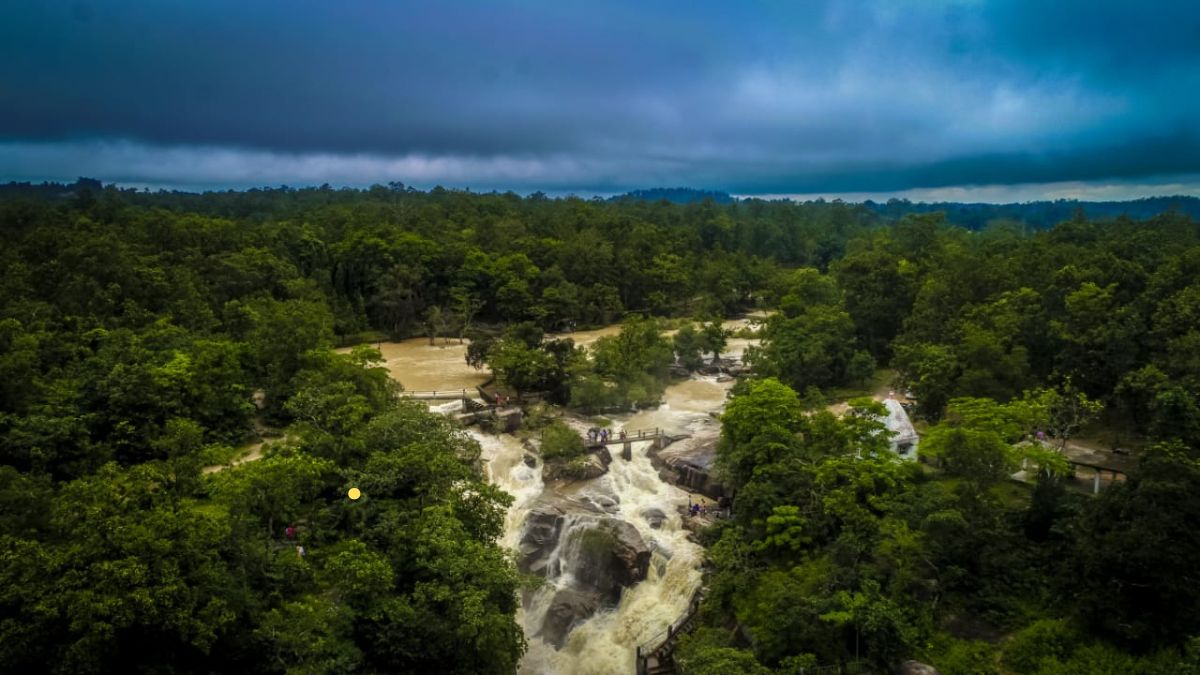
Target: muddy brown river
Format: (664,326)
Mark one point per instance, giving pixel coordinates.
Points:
(420,366)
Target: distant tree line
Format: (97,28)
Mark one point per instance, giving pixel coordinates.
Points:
(1037,215)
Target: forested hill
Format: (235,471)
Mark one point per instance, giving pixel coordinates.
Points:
(1040,215)
(677,195)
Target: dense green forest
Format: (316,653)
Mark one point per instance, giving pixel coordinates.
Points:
(1038,214)
(840,552)
(138,331)
(142,335)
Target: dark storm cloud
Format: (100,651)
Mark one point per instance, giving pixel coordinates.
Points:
(756,98)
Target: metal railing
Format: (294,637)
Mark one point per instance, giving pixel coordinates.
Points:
(656,643)
(435,394)
(630,436)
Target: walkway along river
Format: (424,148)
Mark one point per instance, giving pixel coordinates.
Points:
(588,617)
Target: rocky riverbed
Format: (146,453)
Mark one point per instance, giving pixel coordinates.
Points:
(609,545)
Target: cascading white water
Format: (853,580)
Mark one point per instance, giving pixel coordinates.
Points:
(631,489)
(504,460)
(605,643)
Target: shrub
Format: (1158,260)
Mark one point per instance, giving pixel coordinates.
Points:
(561,441)
(1048,639)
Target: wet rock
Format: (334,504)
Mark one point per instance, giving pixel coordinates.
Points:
(689,464)
(695,478)
(631,554)
(693,524)
(606,503)
(569,608)
(916,668)
(655,517)
(610,557)
(530,460)
(543,527)
(586,467)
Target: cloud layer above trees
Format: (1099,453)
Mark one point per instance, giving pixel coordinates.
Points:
(753,98)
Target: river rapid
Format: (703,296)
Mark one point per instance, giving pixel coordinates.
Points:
(631,491)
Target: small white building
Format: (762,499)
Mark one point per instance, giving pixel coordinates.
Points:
(903,436)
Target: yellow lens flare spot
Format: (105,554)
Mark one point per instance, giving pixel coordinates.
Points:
(354,493)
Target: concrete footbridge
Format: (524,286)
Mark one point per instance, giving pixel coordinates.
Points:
(436,394)
(659,439)
(627,436)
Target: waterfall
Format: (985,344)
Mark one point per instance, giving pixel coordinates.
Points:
(630,501)
(631,492)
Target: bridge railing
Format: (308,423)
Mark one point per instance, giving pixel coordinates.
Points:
(434,393)
(632,435)
(663,638)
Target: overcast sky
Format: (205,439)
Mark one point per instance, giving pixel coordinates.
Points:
(937,99)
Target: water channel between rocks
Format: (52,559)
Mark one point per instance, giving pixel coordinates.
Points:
(596,616)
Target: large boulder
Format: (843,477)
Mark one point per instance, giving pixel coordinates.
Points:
(916,668)
(585,467)
(603,502)
(600,557)
(655,517)
(543,526)
(609,557)
(569,608)
(689,464)
(546,523)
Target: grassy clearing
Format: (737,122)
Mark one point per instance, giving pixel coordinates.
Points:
(220,455)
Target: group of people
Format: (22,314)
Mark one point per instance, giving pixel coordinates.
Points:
(597,436)
(722,509)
